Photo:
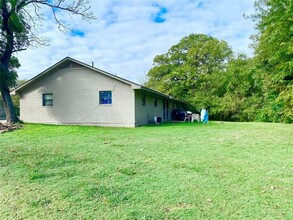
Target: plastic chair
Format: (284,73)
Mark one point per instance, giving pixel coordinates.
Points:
(188,116)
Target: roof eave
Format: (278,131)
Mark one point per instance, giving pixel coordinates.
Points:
(69,59)
(161,94)
(64,61)
(51,68)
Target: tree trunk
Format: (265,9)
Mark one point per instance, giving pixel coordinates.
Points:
(5,94)
(8,106)
(7,43)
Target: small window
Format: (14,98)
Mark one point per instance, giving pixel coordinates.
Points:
(105,97)
(48,99)
(143,99)
(156,102)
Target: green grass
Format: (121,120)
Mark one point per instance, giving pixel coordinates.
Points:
(171,171)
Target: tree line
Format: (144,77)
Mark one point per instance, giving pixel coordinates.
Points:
(204,71)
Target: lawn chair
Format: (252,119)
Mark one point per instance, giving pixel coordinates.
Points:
(188,116)
(195,117)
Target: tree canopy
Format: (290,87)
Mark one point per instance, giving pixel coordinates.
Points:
(187,70)
(204,71)
(274,57)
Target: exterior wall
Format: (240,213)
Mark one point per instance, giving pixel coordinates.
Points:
(76,99)
(144,114)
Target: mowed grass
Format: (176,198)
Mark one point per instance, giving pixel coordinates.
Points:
(171,171)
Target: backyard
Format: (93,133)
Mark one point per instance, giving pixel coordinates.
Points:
(169,171)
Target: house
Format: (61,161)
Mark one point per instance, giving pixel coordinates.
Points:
(72,92)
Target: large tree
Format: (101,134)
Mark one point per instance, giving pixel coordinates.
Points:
(242,88)
(18,20)
(274,55)
(191,70)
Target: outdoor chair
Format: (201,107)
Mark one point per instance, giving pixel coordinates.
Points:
(188,116)
(195,117)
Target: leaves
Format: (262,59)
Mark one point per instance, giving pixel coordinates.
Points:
(187,69)
(201,70)
(274,55)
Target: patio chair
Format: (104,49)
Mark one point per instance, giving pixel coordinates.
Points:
(195,117)
(188,116)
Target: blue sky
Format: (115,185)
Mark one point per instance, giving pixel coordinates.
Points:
(128,34)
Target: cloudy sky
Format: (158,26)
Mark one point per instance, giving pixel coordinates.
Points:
(128,34)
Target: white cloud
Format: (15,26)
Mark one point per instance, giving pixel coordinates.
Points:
(124,39)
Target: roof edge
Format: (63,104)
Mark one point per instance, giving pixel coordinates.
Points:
(40,74)
(133,85)
(67,59)
(162,94)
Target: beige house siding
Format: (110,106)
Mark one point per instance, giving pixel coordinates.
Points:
(75,88)
(145,114)
(76,99)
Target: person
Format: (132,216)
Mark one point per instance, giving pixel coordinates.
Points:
(206,119)
(202,114)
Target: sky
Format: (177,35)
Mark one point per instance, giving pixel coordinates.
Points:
(127,34)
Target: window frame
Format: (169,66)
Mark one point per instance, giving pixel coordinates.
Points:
(46,102)
(103,99)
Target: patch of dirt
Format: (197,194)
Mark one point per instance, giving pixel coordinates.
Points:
(6,128)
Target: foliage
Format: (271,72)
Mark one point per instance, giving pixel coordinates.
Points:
(188,70)
(274,55)
(12,77)
(201,70)
(225,171)
(274,43)
(241,87)
(16,104)
(16,98)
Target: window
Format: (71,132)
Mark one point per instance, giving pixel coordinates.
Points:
(105,97)
(48,99)
(156,102)
(143,99)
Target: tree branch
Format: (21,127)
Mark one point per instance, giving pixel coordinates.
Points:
(73,7)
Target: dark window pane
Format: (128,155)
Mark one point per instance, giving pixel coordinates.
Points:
(48,99)
(49,102)
(105,97)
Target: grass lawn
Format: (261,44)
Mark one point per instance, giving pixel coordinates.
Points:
(171,171)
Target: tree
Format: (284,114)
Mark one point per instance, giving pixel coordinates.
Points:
(274,55)
(242,88)
(192,69)
(18,19)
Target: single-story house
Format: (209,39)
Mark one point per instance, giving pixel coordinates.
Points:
(72,92)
